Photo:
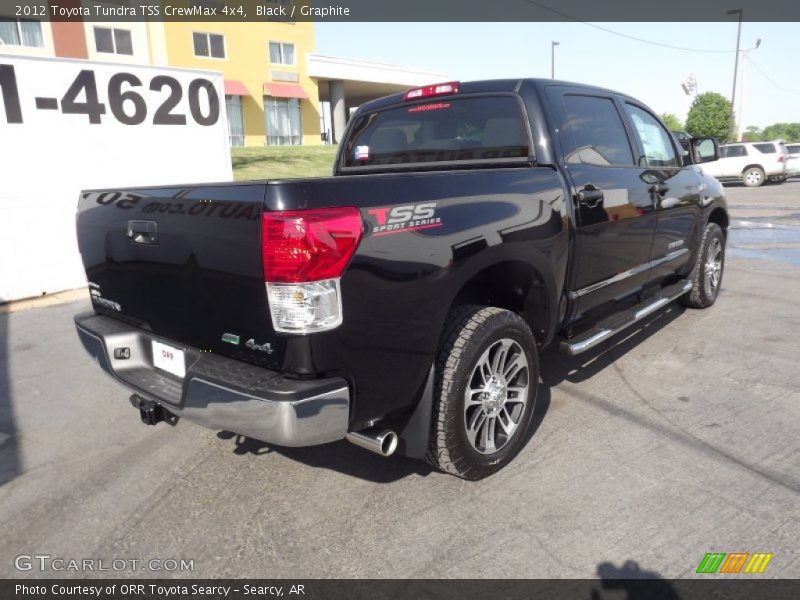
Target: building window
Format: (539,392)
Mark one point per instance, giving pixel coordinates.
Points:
(235,122)
(113,41)
(21,32)
(282,121)
(281,53)
(209,45)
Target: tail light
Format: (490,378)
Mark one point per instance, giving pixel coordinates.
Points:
(437,89)
(782,158)
(304,254)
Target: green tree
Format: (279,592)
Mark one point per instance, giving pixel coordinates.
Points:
(789,132)
(672,122)
(711,115)
(752,134)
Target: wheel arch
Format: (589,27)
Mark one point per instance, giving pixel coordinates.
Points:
(757,166)
(720,216)
(534,302)
(516,285)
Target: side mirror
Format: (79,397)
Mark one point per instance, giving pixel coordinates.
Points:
(704,150)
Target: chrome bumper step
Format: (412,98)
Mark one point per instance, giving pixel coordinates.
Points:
(612,325)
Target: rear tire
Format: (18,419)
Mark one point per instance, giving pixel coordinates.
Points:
(707,273)
(753,177)
(487,376)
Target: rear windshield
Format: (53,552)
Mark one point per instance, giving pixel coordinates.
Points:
(446,129)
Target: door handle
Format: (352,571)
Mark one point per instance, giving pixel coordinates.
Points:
(659,188)
(590,196)
(143,232)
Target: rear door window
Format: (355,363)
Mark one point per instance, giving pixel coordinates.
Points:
(441,130)
(732,151)
(592,132)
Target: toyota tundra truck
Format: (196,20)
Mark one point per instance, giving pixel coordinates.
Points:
(403,303)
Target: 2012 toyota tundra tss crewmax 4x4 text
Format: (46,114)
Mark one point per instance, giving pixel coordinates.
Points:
(403,302)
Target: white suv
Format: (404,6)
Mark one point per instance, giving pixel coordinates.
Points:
(793,160)
(750,162)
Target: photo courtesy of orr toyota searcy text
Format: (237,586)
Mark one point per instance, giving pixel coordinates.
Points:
(134,590)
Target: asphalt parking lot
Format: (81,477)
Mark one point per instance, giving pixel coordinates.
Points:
(678,439)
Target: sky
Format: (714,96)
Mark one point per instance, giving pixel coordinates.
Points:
(586,54)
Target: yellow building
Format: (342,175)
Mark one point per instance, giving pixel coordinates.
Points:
(270,97)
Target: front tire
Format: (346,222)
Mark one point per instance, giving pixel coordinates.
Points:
(753,177)
(487,376)
(707,274)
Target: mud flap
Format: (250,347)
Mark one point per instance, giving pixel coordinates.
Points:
(415,436)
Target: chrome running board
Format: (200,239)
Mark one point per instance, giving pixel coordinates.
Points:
(612,325)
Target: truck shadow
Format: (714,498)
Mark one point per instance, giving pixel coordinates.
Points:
(353,461)
(556,367)
(630,582)
(9,446)
(341,456)
(350,460)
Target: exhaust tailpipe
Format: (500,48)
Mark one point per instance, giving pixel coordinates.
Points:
(383,442)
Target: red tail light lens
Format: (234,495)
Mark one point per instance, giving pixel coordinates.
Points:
(437,89)
(309,245)
(782,158)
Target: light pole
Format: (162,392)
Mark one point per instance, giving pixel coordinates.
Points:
(740,12)
(553,59)
(739,116)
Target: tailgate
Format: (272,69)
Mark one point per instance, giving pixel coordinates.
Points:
(182,262)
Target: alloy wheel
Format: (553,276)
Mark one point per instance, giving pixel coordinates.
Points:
(713,269)
(496,396)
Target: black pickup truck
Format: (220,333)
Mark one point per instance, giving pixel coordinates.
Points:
(403,302)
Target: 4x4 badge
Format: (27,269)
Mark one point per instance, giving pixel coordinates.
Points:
(266,347)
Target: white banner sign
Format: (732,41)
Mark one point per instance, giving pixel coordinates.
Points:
(67,125)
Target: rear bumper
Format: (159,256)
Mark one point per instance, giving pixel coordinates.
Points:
(219,392)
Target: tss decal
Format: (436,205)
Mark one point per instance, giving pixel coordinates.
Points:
(407,217)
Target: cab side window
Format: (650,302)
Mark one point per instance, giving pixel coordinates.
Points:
(592,132)
(656,141)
